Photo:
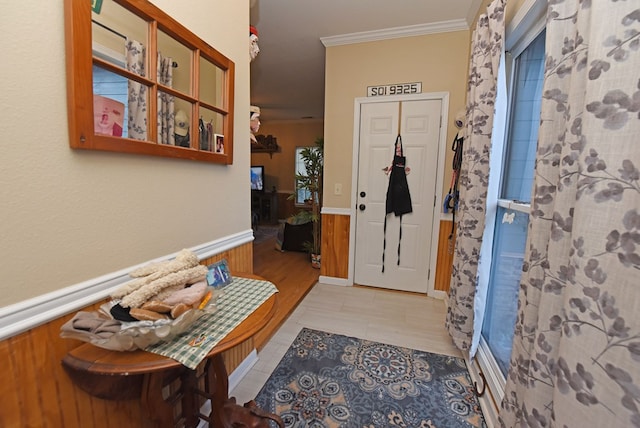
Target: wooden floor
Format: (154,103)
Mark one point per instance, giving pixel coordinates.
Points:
(291,272)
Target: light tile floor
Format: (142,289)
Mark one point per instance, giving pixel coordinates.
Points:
(402,319)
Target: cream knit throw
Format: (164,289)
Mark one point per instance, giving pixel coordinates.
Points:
(146,274)
(183,277)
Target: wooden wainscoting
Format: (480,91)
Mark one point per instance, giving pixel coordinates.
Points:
(335,245)
(335,250)
(36,391)
(445,256)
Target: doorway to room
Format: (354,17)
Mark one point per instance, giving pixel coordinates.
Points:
(409,243)
(292,274)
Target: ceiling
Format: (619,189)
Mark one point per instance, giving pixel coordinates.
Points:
(287,76)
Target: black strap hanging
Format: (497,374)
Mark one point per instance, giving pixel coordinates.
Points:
(451,200)
(398,198)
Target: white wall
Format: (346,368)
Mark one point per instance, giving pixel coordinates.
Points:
(68,216)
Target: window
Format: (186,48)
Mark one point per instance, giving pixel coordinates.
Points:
(140,82)
(513,203)
(302,194)
(112,86)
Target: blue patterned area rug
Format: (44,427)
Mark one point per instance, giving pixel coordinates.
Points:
(330,380)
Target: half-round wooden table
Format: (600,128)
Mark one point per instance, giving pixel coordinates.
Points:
(115,375)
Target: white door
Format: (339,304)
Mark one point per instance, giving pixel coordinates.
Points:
(420,133)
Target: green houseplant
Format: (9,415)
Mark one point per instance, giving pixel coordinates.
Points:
(311,181)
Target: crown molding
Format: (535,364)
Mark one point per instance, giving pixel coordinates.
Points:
(395,33)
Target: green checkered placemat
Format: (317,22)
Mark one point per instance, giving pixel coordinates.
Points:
(238,301)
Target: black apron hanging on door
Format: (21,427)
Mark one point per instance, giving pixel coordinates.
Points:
(398,197)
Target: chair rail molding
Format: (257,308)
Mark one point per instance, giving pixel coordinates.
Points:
(30,313)
(336,211)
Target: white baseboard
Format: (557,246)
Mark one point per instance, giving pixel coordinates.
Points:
(28,314)
(439,294)
(334,281)
(489,401)
(241,371)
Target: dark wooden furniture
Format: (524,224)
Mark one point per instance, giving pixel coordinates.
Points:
(265,144)
(265,204)
(171,394)
(297,237)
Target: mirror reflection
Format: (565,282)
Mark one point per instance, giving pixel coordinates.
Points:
(174,62)
(210,131)
(153,83)
(211,83)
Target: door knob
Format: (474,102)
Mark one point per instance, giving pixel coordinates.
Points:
(363,194)
(362,207)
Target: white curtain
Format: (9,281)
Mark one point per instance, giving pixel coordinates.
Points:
(576,352)
(166,105)
(137,98)
(486,49)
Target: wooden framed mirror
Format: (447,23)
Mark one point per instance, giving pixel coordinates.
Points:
(140,82)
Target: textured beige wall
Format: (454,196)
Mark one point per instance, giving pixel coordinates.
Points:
(439,61)
(279,168)
(68,216)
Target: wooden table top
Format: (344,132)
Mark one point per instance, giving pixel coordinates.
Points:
(93,359)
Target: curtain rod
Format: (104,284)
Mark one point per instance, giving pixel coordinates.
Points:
(100,24)
(109,29)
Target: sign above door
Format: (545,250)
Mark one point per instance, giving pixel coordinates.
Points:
(395,89)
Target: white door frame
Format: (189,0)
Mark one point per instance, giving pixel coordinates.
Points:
(442,148)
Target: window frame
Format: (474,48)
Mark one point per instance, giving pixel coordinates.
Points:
(80,60)
(528,23)
(298,160)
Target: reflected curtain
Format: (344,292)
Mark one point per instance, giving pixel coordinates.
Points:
(166,113)
(137,92)
(576,353)
(486,49)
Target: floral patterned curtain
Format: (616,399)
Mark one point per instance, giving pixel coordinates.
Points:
(486,49)
(576,351)
(137,98)
(166,105)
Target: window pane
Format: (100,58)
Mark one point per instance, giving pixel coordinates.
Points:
(110,103)
(120,105)
(110,30)
(210,134)
(524,123)
(502,298)
(182,123)
(174,64)
(510,231)
(211,83)
(301,194)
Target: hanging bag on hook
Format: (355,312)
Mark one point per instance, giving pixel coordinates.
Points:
(451,200)
(398,197)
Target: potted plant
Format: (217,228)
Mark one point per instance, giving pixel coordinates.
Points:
(311,181)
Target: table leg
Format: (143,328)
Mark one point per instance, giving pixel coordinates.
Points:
(190,408)
(157,409)
(225,412)
(217,384)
